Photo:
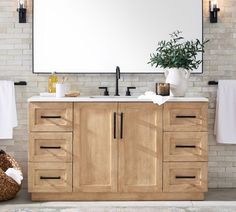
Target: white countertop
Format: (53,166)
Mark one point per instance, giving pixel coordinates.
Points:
(111,99)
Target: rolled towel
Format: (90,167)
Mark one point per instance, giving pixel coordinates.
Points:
(15,175)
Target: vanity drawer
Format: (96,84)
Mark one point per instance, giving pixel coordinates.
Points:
(50,177)
(50,116)
(185,116)
(185,146)
(50,147)
(185,177)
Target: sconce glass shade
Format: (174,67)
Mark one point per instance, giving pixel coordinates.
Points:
(21,4)
(213,4)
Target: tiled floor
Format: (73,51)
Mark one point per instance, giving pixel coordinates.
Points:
(217,200)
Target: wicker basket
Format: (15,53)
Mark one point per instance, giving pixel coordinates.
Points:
(8,186)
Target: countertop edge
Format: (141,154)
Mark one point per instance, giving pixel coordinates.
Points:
(132,99)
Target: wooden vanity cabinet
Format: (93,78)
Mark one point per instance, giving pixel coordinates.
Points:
(118,151)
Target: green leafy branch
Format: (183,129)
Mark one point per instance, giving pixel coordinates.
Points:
(177,53)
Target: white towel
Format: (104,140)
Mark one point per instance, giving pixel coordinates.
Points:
(14,174)
(225,119)
(8,116)
(156,99)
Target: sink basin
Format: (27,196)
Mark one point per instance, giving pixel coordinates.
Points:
(113,97)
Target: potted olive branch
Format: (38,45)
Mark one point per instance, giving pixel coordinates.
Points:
(178,57)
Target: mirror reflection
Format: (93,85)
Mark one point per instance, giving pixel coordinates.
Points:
(95,36)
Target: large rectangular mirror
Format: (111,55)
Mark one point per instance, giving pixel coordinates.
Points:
(95,36)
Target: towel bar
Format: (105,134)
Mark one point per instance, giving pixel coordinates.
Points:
(212,83)
(20,83)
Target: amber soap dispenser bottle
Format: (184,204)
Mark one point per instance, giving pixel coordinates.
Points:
(52,80)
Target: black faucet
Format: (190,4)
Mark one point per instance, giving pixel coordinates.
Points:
(117,80)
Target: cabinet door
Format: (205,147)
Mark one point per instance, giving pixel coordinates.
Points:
(140,147)
(94,148)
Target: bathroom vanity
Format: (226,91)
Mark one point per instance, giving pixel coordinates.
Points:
(117,149)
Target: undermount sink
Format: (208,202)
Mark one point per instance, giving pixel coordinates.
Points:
(113,97)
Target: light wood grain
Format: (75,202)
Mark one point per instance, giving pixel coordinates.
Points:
(140,150)
(38,170)
(177,177)
(62,110)
(95,149)
(187,146)
(135,167)
(172,121)
(50,147)
(116,196)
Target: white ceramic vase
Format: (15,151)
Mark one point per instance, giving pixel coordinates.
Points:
(178,79)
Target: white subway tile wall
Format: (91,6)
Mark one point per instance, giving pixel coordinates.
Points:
(219,63)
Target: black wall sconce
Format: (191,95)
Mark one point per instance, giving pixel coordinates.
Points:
(22,11)
(213,9)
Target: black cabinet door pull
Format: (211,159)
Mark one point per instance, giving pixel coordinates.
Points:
(114,133)
(185,117)
(50,117)
(121,125)
(50,147)
(49,178)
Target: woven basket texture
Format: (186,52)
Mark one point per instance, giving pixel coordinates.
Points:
(8,187)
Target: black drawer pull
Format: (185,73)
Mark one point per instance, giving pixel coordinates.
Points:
(114,125)
(185,146)
(121,125)
(50,147)
(185,177)
(50,117)
(49,178)
(186,117)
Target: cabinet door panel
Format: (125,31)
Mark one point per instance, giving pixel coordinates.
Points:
(140,149)
(95,149)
